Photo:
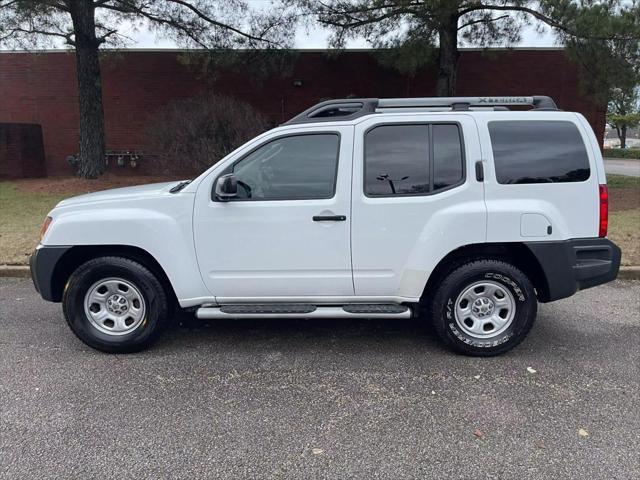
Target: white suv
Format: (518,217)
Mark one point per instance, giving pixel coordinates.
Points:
(457,209)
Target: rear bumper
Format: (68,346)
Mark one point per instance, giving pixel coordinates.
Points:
(572,265)
(42,263)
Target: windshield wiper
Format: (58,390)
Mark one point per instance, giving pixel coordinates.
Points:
(180,186)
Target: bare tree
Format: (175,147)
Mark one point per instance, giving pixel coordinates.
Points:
(88,25)
(189,135)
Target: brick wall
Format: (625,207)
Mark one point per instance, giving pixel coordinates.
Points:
(40,88)
(21,151)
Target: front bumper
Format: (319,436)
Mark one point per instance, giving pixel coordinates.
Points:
(43,263)
(572,265)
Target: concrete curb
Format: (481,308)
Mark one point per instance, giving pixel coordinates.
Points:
(22,271)
(629,273)
(17,271)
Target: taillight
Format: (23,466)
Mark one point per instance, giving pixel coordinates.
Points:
(44,227)
(604,210)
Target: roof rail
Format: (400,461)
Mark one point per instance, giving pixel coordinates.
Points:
(341,109)
(351,108)
(459,103)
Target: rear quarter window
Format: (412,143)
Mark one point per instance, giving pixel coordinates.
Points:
(538,152)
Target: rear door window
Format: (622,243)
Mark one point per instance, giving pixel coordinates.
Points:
(448,159)
(397,160)
(538,152)
(406,159)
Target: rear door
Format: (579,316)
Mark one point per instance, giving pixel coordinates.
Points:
(415,199)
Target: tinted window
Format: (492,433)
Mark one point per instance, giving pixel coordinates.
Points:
(297,167)
(447,156)
(397,160)
(538,152)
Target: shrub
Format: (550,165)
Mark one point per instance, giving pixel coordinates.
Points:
(189,135)
(621,153)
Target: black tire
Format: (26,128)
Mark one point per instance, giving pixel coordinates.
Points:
(453,284)
(155,300)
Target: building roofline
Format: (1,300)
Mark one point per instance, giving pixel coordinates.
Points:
(300,50)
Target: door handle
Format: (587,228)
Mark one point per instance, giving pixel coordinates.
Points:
(479,171)
(329,218)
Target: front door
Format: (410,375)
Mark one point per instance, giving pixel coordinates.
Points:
(287,233)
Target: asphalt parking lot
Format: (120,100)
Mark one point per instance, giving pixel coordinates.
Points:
(323,399)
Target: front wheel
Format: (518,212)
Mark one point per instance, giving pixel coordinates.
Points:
(484,307)
(115,305)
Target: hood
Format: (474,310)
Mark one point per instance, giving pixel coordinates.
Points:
(125,193)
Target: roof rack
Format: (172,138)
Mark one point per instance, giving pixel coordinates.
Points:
(350,108)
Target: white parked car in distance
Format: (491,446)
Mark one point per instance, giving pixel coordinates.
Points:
(456,209)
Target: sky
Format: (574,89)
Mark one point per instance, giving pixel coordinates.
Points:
(317,38)
(314,39)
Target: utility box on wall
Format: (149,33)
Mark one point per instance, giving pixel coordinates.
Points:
(21,151)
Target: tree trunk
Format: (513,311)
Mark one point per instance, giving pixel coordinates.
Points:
(448,57)
(622,135)
(92,158)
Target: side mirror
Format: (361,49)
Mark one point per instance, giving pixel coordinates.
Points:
(226,187)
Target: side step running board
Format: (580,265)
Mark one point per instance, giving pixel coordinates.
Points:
(355,310)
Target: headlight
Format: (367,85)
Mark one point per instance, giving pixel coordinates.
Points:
(44,227)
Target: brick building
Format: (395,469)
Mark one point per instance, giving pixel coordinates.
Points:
(39,89)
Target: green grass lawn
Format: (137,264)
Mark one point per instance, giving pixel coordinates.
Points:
(22,215)
(624,216)
(624,231)
(22,211)
(627,154)
(623,181)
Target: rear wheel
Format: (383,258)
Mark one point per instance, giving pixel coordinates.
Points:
(115,305)
(483,307)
